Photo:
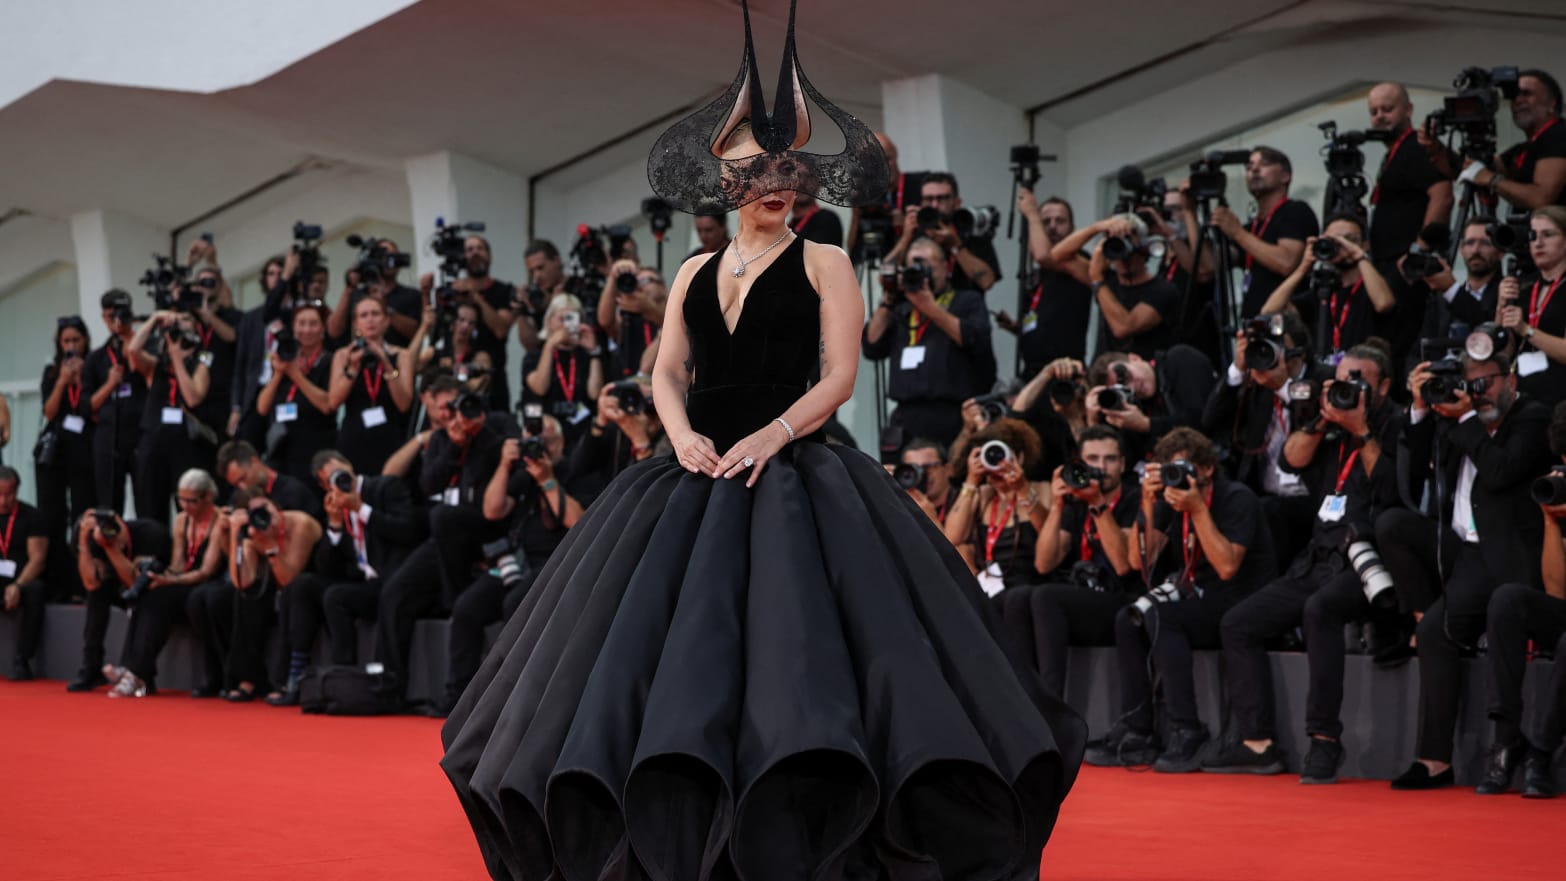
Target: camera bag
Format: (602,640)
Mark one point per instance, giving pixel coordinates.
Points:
(341,690)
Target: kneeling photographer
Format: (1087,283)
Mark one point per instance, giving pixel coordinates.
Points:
(1201,545)
(1146,399)
(1479,450)
(1335,288)
(1348,455)
(1540,332)
(1132,301)
(111,555)
(167,350)
(625,430)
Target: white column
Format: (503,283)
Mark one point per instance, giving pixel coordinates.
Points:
(461,189)
(112,251)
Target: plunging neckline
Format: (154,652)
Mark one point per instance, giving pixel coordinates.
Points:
(745,299)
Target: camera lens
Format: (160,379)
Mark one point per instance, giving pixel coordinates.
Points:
(1324,249)
(1063,391)
(342,481)
(470,405)
(625,283)
(909,476)
(261,518)
(533,448)
(1117,248)
(628,392)
(1262,354)
(1080,475)
(994,454)
(1178,474)
(1549,489)
(1345,395)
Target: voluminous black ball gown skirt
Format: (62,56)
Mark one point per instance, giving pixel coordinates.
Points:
(795,681)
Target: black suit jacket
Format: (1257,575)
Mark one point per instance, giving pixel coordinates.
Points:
(1236,418)
(389,536)
(1510,530)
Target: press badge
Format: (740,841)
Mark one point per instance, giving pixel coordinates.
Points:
(990,579)
(1030,322)
(1332,508)
(288,411)
(913,356)
(74,424)
(374,417)
(580,413)
(173,416)
(452,495)
(1529,363)
(205,359)
(124,391)
(7,568)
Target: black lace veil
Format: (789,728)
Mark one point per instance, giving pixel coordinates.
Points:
(685,167)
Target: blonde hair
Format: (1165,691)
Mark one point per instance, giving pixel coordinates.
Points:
(560,303)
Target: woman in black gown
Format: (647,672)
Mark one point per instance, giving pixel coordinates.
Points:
(295,402)
(757,658)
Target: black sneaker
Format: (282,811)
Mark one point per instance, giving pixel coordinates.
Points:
(1184,752)
(1538,782)
(1121,747)
(1237,758)
(87,680)
(1418,777)
(1322,761)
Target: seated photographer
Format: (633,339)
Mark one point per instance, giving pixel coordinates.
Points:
(493,312)
(1143,400)
(167,351)
(374,276)
(630,311)
(972,265)
(110,554)
(257,335)
(119,394)
(1084,552)
(1270,390)
(63,455)
(538,510)
(243,468)
(273,548)
(1349,451)
(624,430)
(1489,443)
(295,401)
(1335,274)
(1056,393)
(1200,538)
(1134,303)
(932,373)
(160,596)
(1057,439)
(24,550)
(1274,240)
(1409,193)
(994,522)
(1531,174)
(566,375)
(1056,321)
(1539,332)
(372,383)
(925,476)
(437,388)
(810,221)
(370,526)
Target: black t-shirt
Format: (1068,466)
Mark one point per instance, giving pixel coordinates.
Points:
(533,531)
(1351,318)
(23,523)
(292,494)
(126,403)
(80,428)
(1401,196)
(1239,517)
(1054,321)
(1521,160)
(1155,292)
(1365,496)
(159,397)
(1074,518)
(1292,219)
(498,295)
(567,399)
(222,364)
(819,225)
(1538,375)
(984,249)
(148,538)
(402,300)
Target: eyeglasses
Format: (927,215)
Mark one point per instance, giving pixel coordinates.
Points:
(1478,385)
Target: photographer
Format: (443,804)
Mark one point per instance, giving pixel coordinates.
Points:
(1532,174)
(372,381)
(625,430)
(295,400)
(24,551)
(62,458)
(1132,306)
(1084,552)
(1143,400)
(1349,451)
(927,479)
(630,311)
(1541,330)
(712,232)
(933,373)
(494,300)
(1409,194)
(995,521)
(272,549)
(811,221)
(1268,392)
(1274,239)
(971,265)
(217,323)
(538,510)
(1054,325)
(1353,296)
(1200,539)
(1480,450)
(258,333)
(567,373)
(375,277)
(243,468)
(172,441)
(407,464)
(109,556)
(119,395)
(370,525)
(1470,302)
(458,352)
(1518,614)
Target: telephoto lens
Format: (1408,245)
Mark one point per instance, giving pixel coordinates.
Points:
(1178,474)
(1551,488)
(995,454)
(1080,475)
(1115,397)
(910,476)
(260,519)
(1373,577)
(1168,592)
(342,480)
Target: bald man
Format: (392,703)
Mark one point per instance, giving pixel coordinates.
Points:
(1409,191)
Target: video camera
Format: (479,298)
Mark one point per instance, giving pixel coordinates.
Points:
(659,214)
(449,243)
(168,285)
(1471,112)
(307,244)
(970,223)
(1208,181)
(1139,193)
(590,258)
(1346,185)
(377,259)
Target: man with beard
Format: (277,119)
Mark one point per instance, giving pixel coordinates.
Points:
(1055,315)
(1531,174)
(1352,300)
(1472,301)
(493,298)
(1271,243)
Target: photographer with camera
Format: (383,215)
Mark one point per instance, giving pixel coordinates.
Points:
(1337,275)
(933,373)
(1201,545)
(273,548)
(1529,175)
(63,456)
(494,301)
(1410,193)
(1478,451)
(295,401)
(458,353)
(1348,457)
(241,467)
(216,323)
(261,327)
(119,395)
(566,375)
(972,263)
(924,474)
(372,382)
(1144,399)
(1133,303)
(1540,332)
(630,312)
(625,429)
(374,275)
(1274,240)
(1054,325)
(167,349)
(1269,391)
(111,554)
(811,221)
(24,553)
(994,522)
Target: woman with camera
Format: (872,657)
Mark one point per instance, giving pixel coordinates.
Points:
(1536,318)
(295,402)
(62,458)
(996,519)
(373,382)
(168,352)
(567,373)
(459,352)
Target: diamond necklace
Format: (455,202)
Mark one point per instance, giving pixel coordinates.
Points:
(740,269)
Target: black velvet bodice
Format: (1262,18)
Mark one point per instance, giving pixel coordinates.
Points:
(746,379)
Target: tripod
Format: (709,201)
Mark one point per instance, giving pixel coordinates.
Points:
(1470,205)
(1226,312)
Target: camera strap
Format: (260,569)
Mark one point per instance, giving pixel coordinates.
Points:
(1346,467)
(1191,546)
(74,393)
(1536,308)
(1340,317)
(1386,162)
(5,543)
(1090,527)
(1522,155)
(804,219)
(568,386)
(917,328)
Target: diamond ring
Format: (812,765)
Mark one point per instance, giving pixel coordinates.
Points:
(748,461)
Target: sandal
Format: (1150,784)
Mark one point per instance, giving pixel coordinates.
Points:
(240,695)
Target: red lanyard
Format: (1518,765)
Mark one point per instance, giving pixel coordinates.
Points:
(1249,259)
(566,385)
(173,389)
(308,367)
(647,333)
(1344,472)
(374,388)
(113,360)
(1090,528)
(1340,316)
(1038,292)
(1192,548)
(1522,154)
(462,463)
(74,393)
(1174,266)
(800,223)
(997,525)
(193,542)
(901,179)
(1536,308)
(5,546)
(206,337)
(1375,195)
(271,482)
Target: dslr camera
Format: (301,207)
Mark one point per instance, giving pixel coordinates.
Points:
(471,404)
(1551,488)
(1264,344)
(1446,380)
(908,477)
(1208,181)
(1471,112)
(108,526)
(993,405)
(1119,395)
(628,393)
(1178,474)
(1079,475)
(1346,394)
(995,454)
(342,480)
(145,569)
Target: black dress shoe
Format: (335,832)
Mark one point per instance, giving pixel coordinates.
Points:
(1419,777)
(87,680)
(21,671)
(1500,764)
(1394,655)
(1538,782)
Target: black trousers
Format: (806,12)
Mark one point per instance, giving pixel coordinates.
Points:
(480,605)
(344,605)
(112,459)
(1044,621)
(66,489)
(1328,610)
(160,459)
(1167,635)
(96,624)
(1518,613)
(30,618)
(210,609)
(255,613)
(155,615)
(1292,519)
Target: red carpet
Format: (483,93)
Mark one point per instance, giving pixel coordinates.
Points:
(171,789)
